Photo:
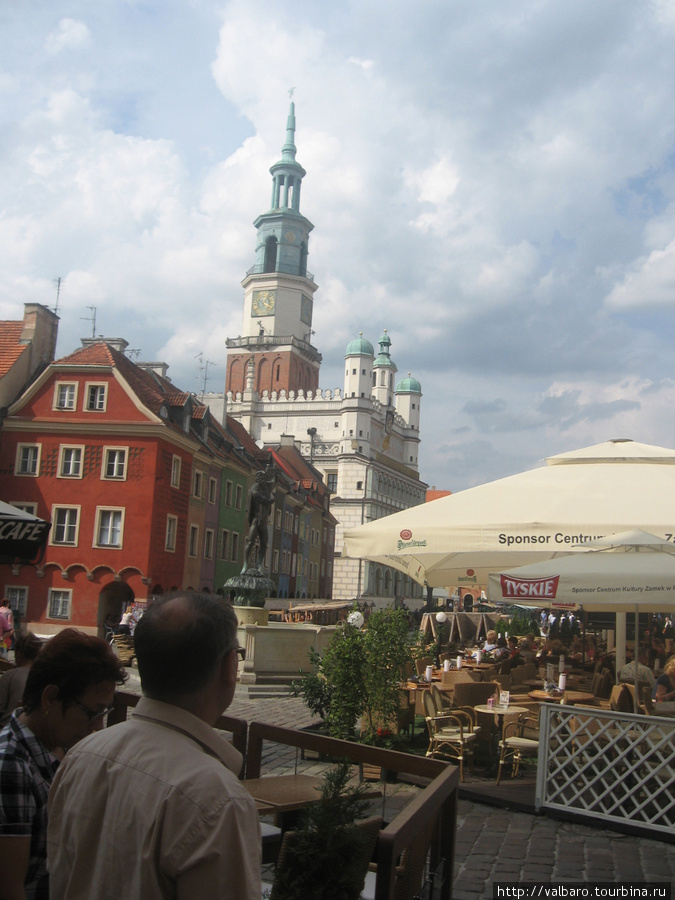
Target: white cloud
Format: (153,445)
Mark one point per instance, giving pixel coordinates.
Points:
(650,284)
(69,35)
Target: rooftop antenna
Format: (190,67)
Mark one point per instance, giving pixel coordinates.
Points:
(57,282)
(133,354)
(91,319)
(203,376)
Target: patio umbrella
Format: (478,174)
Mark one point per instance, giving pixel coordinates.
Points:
(22,536)
(633,570)
(561,507)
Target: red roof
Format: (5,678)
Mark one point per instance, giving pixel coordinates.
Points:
(433,494)
(10,348)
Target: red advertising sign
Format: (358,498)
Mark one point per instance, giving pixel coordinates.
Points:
(537,588)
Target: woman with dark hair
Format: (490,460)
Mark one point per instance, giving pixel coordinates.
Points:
(68,693)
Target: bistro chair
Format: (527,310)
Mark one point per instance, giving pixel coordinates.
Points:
(421,664)
(450,735)
(520,738)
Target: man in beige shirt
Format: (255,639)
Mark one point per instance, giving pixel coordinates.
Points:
(152,808)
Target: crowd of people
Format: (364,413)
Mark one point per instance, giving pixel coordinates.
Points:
(151,807)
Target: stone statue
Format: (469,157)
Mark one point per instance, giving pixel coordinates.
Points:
(260,501)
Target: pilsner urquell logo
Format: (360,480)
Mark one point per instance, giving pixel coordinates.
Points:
(405,540)
(545,588)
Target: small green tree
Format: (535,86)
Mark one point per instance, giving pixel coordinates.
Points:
(387,656)
(344,667)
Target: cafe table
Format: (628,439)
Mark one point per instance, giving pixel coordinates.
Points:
(283,793)
(500,712)
(567,697)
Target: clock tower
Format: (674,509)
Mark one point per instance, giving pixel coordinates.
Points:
(278,292)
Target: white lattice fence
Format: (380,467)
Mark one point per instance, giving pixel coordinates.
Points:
(617,767)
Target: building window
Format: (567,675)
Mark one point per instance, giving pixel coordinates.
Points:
(238,492)
(175,471)
(26,507)
(109,526)
(194,540)
(27,459)
(171,532)
(224,543)
(96,397)
(65,521)
(331,482)
(198,484)
(213,490)
(70,463)
(228,493)
(294,563)
(18,599)
(235,546)
(114,463)
(277,519)
(208,543)
(359,485)
(59,604)
(65,395)
(275,561)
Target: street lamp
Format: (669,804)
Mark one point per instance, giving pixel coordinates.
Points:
(441,619)
(356,619)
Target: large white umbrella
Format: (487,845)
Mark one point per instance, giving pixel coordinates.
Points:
(629,571)
(561,507)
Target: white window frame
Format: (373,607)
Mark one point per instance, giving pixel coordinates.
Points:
(208,543)
(56,509)
(275,561)
(97,527)
(107,451)
(171,534)
(100,386)
(176,463)
(213,490)
(65,603)
(193,540)
(228,493)
(224,543)
(29,507)
(19,453)
(198,480)
(19,605)
(234,545)
(238,496)
(277,519)
(71,405)
(62,455)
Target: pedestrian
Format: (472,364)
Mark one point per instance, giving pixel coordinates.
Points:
(69,690)
(6,627)
(13,682)
(152,808)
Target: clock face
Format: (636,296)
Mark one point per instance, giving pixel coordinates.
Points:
(290,236)
(262,303)
(306,310)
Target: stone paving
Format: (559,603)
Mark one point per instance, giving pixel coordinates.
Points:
(493,844)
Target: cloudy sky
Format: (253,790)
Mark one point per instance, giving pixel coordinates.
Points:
(493,182)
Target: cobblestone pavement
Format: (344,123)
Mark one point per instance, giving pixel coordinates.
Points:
(494,844)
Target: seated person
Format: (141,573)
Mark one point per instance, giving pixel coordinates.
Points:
(501,651)
(576,649)
(664,691)
(643,672)
(13,682)
(528,648)
(490,642)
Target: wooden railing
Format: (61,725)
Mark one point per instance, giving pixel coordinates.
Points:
(433,812)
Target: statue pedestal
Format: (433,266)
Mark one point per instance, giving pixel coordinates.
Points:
(251,615)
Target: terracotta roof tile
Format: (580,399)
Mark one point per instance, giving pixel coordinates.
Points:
(10,348)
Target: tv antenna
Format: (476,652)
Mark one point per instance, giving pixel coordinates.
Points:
(203,376)
(92,319)
(57,282)
(133,354)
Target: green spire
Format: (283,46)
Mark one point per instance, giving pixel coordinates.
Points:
(288,151)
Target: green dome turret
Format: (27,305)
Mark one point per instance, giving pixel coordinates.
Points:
(359,347)
(383,357)
(409,385)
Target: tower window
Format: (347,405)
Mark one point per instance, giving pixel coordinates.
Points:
(271,254)
(353,371)
(278,371)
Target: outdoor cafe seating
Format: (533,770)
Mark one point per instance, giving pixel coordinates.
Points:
(520,738)
(451,735)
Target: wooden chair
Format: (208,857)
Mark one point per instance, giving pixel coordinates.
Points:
(451,735)
(409,872)
(520,738)
(421,664)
